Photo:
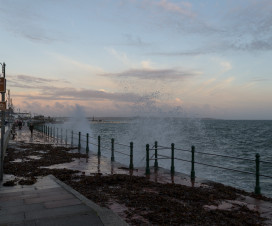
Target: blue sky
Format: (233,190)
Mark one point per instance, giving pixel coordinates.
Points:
(139,57)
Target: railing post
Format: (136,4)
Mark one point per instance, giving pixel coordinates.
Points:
(61,135)
(57,135)
(172,159)
(51,131)
(98,146)
(54,132)
(87,143)
(66,137)
(72,138)
(156,155)
(79,144)
(112,149)
(147,169)
(131,156)
(257,187)
(193,164)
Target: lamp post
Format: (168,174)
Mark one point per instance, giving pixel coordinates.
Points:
(3,92)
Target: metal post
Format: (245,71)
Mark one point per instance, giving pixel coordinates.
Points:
(112,150)
(172,159)
(72,138)
(3,125)
(193,164)
(57,135)
(156,155)
(66,137)
(79,144)
(99,151)
(87,144)
(257,187)
(147,169)
(131,156)
(61,135)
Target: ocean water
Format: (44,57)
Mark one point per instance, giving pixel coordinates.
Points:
(240,139)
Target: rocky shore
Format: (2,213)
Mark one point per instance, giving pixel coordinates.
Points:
(136,198)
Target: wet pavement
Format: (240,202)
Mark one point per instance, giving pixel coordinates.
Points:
(48,201)
(25,196)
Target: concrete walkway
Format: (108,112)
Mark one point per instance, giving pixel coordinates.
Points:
(50,202)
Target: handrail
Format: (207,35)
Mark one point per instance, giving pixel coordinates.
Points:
(125,145)
(82,138)
(121,153)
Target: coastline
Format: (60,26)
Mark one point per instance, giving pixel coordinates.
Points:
(108,180)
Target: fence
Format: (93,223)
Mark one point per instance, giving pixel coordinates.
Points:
(158,156)
(77,139)
(58,137)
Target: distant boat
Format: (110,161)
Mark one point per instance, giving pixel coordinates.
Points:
(95,120)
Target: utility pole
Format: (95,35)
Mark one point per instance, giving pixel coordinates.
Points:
(3,92)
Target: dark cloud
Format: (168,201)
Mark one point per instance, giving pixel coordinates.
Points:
(254,45)
(68,93)
(160,74)
(29,81)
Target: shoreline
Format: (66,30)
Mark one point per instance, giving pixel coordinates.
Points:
(136,188)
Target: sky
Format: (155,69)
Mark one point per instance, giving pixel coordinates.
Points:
(209,58)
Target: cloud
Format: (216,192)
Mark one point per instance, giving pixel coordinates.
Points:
(135,41)
(243,27)
(21,18)
(226,66)
(69,93)
(122,57)
(81,66)
(183,9)
(157,74)
(254,45)
(180,53)
(146,64)
(32,82)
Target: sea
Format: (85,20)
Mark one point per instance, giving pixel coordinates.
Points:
(225,150)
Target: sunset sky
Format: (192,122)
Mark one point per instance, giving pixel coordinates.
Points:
(209,58)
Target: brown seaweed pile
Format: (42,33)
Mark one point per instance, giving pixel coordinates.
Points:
(145,202)
(163,204)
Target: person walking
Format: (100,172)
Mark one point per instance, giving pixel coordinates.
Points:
(31,127)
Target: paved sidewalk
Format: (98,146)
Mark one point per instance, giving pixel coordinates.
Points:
(51,202)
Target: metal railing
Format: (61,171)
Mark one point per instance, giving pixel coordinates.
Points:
(77,138)
(157,156)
